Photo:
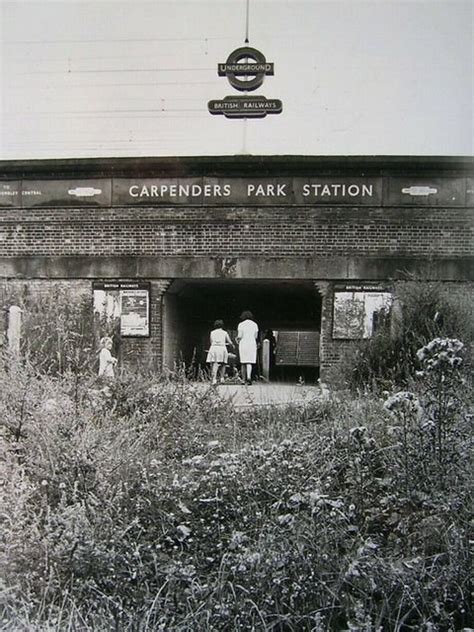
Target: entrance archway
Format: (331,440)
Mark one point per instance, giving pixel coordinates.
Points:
(291,309)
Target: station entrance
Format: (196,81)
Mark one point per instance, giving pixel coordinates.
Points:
(288,313)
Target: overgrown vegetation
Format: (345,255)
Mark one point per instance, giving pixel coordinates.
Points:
(160,507)
(149,504)
(58,330)
(421,312)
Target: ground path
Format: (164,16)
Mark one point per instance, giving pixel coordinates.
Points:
(261,393)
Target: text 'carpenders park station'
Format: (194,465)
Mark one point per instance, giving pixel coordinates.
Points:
(208,190)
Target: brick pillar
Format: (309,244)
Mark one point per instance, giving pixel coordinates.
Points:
(158,289)
(325,341)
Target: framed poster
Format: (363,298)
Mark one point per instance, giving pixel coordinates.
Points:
(127,302)
(359,310)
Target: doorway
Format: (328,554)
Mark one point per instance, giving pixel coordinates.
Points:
(290,310)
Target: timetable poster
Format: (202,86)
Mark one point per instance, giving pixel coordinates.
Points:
(135,308)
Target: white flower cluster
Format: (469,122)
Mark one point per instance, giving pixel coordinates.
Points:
(403,402)
(441,353)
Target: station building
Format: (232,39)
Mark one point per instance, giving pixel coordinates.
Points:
(313,246)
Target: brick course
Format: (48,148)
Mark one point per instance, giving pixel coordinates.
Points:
(294,232)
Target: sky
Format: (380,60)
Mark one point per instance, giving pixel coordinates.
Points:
(113,78)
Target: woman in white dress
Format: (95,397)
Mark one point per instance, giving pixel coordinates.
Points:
(247,334)
(218,354)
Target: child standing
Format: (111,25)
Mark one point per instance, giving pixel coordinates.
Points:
(106,359)
(218,354)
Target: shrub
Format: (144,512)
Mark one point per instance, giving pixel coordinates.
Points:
(425,311)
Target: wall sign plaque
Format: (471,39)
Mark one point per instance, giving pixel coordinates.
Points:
(238,107)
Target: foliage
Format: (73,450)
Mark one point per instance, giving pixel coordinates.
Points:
(58,333)
(422,312)
(148,504)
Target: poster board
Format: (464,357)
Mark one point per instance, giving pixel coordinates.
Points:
(297,348)
(358,310)
(127,301)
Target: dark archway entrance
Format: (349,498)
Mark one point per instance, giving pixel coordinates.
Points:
(289,308)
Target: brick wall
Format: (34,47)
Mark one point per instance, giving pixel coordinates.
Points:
(295,232)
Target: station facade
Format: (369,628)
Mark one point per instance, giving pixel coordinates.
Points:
(313,246)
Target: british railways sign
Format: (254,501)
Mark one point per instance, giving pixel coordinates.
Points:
(245,76)
(253,106)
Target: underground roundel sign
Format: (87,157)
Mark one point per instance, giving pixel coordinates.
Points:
(245,70)
(233,68)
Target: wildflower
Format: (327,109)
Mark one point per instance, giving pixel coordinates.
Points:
(237,539)
(315,496)
(183,532)
(441,353)
(295,500)
(252,558)
(50,406)
(403,402)
(428,425)
(183,507)
(285,519)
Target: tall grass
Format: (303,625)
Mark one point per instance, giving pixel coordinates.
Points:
(155,505)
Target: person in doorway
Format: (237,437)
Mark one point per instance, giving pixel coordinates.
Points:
(218,354)
(106,359)
(247,334)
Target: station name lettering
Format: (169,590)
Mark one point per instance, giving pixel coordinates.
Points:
(329,190)
(310,190)
(180,190)
(273,190)
(315,190)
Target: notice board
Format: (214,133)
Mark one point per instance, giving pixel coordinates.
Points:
(297,348)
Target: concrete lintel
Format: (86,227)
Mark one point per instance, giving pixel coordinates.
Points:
(323,268)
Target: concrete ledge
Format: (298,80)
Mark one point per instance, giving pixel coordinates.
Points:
(176,166)
(320,268)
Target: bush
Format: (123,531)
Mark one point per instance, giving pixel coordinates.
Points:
(423,311)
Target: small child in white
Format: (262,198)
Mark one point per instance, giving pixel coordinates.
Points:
(106,359)
(218,354)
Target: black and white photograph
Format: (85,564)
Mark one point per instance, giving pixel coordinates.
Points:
(237,315)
